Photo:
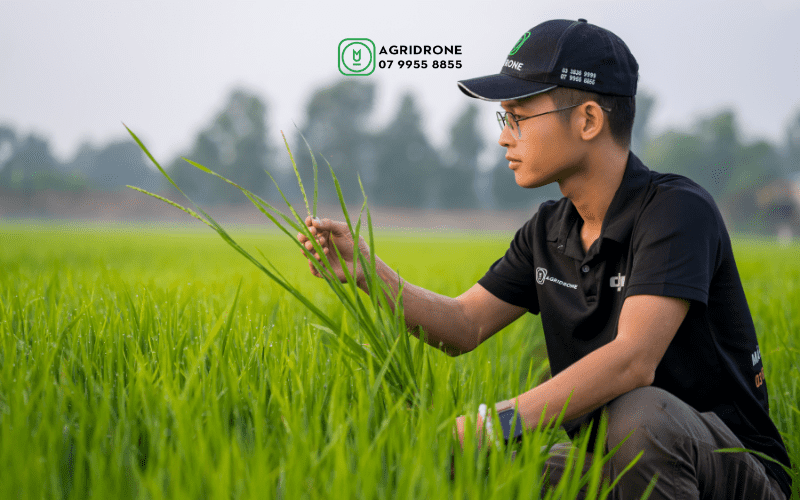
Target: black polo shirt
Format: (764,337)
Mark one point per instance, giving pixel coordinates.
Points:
(662,235)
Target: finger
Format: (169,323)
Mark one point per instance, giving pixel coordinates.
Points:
(313,269)
(312,230)
(309,245)
(327,225)
(460,430)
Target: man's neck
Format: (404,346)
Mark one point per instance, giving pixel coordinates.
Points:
(592,187)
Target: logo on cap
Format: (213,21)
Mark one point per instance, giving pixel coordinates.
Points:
(521,41)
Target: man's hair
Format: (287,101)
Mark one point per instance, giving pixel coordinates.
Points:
(620,118)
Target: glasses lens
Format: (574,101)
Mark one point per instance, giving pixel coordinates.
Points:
(511,120)
(504,119)
(501,120)
(507,119)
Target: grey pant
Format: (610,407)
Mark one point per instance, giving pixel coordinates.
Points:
(678,444)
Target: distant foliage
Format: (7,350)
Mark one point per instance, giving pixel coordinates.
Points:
(235,143)
(407,164)
(735,172)
(457,179)
(27,166)
(116,164)
(400,166)
(336,126)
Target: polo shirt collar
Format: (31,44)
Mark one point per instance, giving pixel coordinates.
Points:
(618,221)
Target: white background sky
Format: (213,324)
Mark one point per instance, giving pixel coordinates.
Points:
(72,71)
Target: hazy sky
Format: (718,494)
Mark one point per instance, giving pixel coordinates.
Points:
(74,70)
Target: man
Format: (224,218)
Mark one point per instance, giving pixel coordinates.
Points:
(632,271)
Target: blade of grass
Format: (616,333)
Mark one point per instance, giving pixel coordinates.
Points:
(316,169)
(297,173)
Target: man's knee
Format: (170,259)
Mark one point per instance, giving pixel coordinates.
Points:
(641,420)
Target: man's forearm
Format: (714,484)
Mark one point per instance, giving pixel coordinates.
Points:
(589,383)
(440,317)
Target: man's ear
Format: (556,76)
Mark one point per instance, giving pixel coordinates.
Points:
(591,120)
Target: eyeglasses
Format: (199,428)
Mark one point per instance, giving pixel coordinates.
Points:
(513,123)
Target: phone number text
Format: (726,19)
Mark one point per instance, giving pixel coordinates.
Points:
(409,64)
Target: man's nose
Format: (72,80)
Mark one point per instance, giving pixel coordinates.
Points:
(506,137)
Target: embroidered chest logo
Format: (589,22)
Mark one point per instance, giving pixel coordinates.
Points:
(541,277)
(618,282)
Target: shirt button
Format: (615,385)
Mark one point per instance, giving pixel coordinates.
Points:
(585,269)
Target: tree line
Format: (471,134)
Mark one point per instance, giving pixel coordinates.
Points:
(397,164)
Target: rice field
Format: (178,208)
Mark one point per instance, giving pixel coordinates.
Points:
(156,362)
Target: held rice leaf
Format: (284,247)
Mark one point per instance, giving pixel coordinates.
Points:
(316,170)
(386,333)
(176,205)
(225,236)
(298,220)
(296,173)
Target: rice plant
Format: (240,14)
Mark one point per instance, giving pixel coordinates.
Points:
(388,350)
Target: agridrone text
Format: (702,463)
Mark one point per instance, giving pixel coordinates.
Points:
(420,49)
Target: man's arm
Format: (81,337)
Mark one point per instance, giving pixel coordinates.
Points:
(454,325)
(647,325)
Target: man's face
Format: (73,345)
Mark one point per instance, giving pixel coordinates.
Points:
(546,152)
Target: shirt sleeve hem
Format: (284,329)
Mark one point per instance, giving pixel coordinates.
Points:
(669,290)
(499,289)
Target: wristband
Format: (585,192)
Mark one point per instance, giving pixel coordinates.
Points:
(510,418)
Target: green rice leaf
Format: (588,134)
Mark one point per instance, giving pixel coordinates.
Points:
(297,174)
(314,166)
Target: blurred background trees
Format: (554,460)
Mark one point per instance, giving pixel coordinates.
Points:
(337,128)
(754,181)
(234,145)
(406,164)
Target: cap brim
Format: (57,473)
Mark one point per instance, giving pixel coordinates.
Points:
(502,87)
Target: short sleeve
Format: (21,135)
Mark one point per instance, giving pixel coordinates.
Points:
(512,278)
(676,243)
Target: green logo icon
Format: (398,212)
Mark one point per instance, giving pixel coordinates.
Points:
(522,40)
(356,56)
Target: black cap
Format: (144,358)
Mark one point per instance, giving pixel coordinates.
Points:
(560,53)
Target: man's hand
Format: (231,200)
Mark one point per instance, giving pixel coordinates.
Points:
(329,233)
